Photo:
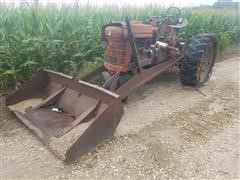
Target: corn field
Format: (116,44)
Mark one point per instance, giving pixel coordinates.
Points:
(68,39)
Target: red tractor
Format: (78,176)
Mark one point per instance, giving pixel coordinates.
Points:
(73,116)
(137,52)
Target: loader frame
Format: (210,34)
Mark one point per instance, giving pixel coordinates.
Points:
(70,116)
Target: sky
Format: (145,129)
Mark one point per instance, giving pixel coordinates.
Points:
(179,3)
(165,2)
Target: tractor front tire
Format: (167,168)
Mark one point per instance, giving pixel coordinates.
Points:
(198,60)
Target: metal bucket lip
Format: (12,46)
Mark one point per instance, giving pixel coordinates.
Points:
(36,108)
(85,135)
(83,82)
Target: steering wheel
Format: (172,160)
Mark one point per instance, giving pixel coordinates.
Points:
(173,15)
(176,21)
(179,12)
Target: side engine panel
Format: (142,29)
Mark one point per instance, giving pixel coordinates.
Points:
(118,55)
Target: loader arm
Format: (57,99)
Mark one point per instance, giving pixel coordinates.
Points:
(131,40)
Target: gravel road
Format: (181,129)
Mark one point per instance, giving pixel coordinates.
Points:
(167,131)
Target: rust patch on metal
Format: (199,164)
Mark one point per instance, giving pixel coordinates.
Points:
(61,104)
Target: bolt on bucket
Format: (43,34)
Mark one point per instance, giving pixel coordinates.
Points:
(69,116)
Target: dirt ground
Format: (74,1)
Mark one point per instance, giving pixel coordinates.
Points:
(167,131)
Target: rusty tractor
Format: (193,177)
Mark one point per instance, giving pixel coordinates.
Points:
(71,117)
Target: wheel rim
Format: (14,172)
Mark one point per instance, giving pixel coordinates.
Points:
(204,68)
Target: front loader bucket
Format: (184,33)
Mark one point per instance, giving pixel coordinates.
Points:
(69,116)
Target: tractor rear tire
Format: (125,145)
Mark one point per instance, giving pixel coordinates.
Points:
(198,60)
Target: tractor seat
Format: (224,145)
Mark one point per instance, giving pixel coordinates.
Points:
(182,22)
